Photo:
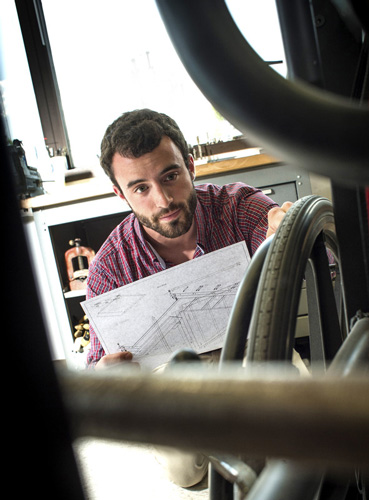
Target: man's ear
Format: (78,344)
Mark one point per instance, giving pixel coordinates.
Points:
(191,167)
(118,192)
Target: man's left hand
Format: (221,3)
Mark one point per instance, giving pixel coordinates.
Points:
(275,216)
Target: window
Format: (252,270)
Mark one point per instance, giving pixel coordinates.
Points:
(111,57)
(17,98)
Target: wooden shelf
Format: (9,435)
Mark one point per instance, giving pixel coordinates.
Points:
(75,293)
(97,187)
(234,164)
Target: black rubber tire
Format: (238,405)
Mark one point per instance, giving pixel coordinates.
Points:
(272,327)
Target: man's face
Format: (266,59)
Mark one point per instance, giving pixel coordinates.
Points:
(159,189)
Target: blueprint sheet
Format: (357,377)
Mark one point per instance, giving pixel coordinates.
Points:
(186,306)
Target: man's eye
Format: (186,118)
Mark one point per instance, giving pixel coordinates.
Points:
(140,189)
(172,177)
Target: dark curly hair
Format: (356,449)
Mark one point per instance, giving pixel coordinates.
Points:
(136,133)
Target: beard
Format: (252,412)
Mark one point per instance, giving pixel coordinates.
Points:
(176,227)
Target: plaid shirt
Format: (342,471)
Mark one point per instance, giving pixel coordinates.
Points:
(224,215)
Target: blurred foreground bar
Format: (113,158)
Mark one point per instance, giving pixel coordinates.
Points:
(321,420)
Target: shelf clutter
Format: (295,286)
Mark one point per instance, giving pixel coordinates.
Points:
(82,335)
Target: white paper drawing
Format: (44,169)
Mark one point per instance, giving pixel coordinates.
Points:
(184,306)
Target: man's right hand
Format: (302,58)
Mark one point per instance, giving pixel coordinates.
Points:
(109,360)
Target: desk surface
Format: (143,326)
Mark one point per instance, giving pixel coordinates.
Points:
(97,186)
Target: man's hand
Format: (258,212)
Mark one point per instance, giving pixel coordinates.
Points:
(275,216)
(117,358)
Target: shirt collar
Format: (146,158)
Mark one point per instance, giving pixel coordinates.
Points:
(145,244)
(201,222)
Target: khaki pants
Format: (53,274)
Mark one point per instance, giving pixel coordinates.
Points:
(182,468)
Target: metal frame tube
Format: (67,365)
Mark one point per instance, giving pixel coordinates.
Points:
(319,420)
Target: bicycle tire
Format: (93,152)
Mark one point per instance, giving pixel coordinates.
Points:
(272,327)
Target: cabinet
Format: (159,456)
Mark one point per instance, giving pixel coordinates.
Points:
(92,232)
(50,226)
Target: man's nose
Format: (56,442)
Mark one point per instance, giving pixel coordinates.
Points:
(162,197)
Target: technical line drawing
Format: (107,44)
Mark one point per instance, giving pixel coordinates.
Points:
(187,321)
(184,306)
(112,307)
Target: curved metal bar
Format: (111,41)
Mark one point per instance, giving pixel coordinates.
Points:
(326,332)
(239,321)
(235,344)
(354,352)
(283,479)
(297,123)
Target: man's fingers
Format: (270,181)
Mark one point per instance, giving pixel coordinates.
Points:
(114,359)
(286,206)
(276,215)
(126,355)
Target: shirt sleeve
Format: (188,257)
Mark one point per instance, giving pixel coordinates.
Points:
(252,214)
(97,283)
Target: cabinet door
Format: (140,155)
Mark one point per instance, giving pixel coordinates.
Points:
(281,192)
(280,182)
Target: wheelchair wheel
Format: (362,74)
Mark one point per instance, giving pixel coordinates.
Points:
(299,249)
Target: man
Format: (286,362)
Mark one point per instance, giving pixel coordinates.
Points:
(146,157)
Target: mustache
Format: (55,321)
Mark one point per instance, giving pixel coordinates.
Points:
(171,208)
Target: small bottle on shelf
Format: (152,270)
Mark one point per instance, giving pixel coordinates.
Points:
(77,260)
